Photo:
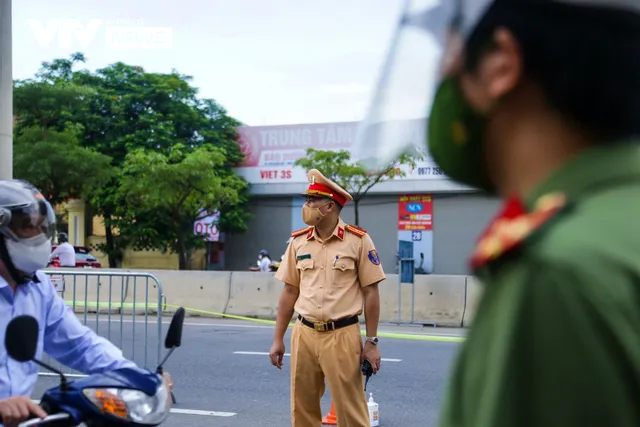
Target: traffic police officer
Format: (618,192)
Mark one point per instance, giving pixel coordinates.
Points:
(329,270)
(537,101)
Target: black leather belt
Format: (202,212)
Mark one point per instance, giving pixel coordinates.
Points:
(329,326)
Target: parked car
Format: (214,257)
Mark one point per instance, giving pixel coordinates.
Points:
(84,259)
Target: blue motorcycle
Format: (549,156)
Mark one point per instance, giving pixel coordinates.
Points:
(123,397)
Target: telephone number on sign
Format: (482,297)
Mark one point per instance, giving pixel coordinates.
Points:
(430,171)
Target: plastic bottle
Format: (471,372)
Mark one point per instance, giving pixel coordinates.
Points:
(373,412)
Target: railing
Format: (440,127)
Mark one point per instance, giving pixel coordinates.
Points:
(110,297)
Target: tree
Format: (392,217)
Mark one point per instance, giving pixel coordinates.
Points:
(172,190)
(126,109)
(116,111)
(57,164)
(352,176)
(51,99)
(47,151)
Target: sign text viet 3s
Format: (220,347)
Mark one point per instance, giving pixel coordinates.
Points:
(112,34)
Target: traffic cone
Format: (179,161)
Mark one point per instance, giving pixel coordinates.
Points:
(330,419)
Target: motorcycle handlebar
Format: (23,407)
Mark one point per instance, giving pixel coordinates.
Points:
(48,419)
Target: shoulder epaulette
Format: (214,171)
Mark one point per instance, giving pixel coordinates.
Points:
(513,226)
(300,232)
(355,230)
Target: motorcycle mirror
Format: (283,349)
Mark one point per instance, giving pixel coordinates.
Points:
(21,342)
(174,337)
(21,338)
(174,334)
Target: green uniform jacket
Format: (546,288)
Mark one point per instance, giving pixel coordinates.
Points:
(556,337)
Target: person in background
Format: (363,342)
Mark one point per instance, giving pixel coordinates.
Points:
(65,252)
(537,102)
(331,273)
(264,261)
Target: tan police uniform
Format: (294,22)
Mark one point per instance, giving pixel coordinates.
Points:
(326,341)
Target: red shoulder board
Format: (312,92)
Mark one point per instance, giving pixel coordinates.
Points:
(355,230)
(513,225)
(300,232)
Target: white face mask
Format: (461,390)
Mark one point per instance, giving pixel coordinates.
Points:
(29,255)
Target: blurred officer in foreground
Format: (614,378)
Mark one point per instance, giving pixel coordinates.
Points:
(537,102)
(329,270)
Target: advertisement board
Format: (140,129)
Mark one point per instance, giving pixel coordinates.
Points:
(415,231)
(415,212)
(270,151)
(206,225)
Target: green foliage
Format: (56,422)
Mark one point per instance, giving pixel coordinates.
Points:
(47,105)
(127,115)
(58,165)
(172,189)
(353,176)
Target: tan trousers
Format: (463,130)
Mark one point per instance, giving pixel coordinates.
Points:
(334,355)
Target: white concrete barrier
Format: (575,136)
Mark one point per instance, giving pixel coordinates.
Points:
(437,299)
(254,294)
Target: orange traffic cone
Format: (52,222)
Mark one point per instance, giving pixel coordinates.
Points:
(330,419)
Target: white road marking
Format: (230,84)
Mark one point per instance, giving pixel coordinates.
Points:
(188,411)
(264,353)
(199,412)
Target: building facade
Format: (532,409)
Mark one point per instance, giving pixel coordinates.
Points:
(423,216)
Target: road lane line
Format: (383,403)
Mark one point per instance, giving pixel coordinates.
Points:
(264,353)
(199,412)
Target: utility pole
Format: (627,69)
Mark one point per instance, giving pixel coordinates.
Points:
(6,92)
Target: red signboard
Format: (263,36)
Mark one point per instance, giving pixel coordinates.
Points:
(265,146)
(415,212)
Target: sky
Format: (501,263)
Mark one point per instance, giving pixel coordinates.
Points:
(267,62)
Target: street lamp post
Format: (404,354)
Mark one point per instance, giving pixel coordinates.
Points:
(6,92)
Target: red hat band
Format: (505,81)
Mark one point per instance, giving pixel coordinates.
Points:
(326,191)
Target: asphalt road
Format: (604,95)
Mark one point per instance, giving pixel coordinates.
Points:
(223,376)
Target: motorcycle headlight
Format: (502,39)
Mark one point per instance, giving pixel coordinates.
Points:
(131,405)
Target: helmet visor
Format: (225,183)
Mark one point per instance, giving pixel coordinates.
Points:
(426,48)
(29,223)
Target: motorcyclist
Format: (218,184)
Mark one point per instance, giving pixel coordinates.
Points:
(264,261)
(27,224)
(65,252)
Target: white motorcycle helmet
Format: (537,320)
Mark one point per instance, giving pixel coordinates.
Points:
(27,225)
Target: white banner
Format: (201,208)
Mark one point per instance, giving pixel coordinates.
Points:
(207,226)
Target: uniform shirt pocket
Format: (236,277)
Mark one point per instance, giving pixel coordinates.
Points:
(344,272)
(305,268)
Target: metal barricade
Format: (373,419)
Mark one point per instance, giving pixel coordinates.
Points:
(114,297)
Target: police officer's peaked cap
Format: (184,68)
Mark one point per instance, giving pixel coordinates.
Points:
(320,185)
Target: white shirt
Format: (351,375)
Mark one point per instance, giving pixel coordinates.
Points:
(66,253)
(264,264)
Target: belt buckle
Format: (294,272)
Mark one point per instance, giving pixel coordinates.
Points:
(320,326)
